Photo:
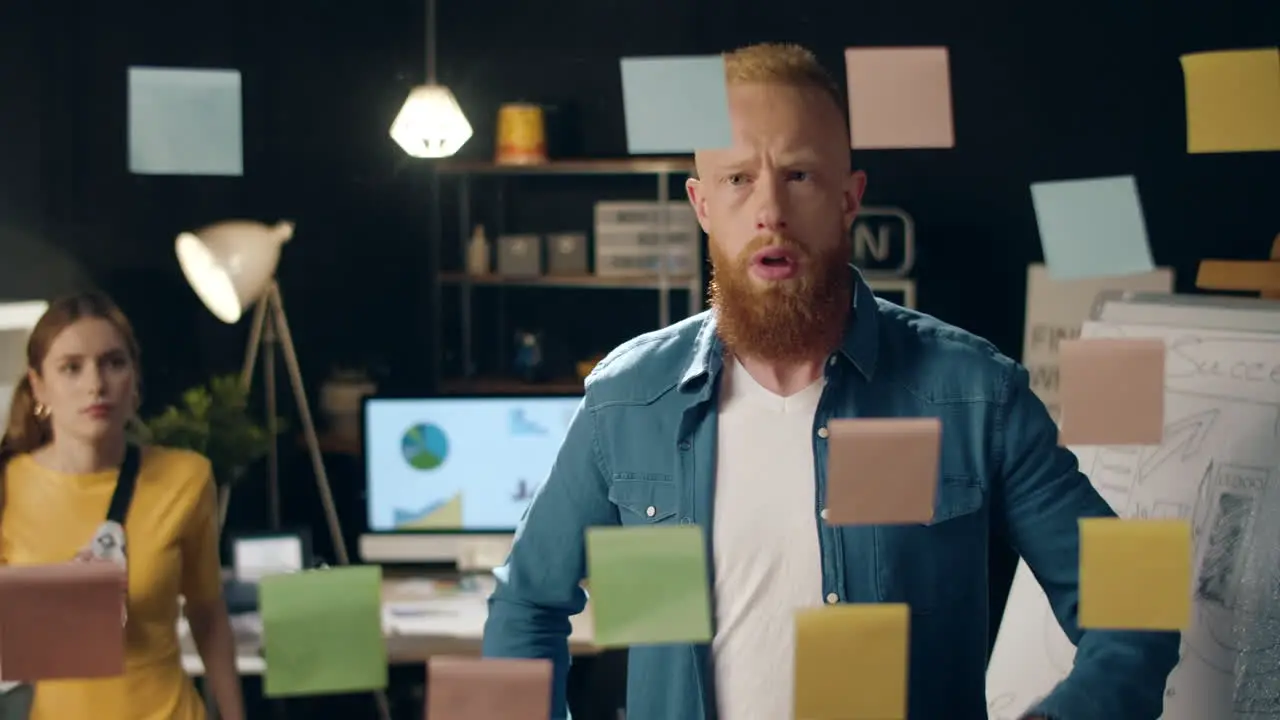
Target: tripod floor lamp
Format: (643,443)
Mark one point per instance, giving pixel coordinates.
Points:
(231,266)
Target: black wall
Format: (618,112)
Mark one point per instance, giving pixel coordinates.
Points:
(1042,91)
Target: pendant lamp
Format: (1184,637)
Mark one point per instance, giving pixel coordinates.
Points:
(431,124)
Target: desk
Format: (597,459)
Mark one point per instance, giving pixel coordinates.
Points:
(416,628)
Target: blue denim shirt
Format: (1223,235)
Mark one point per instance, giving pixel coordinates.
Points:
(645,437)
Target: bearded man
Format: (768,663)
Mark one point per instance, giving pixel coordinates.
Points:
(720,421)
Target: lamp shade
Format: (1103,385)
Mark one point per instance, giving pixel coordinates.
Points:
(230,264)
(431,124)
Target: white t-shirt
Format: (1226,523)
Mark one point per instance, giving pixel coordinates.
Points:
(768,564)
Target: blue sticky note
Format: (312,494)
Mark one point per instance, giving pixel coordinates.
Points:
(675,104)
(1092,228)
(185,122)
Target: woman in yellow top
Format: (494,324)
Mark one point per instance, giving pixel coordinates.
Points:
(59,459)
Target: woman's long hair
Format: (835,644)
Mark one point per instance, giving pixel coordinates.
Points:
(25,430)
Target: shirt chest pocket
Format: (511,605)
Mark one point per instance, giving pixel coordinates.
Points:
(645,499)
(941,564)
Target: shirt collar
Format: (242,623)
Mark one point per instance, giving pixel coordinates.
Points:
(860,345)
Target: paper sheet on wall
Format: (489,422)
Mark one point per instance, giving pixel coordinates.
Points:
(1221,449)
(1092,227)
(899,98)
(1233,100)
(185,121)
(675,104)
(1056,309)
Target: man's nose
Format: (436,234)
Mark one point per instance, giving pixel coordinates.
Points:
(771,211)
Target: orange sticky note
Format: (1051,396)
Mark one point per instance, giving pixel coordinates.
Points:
(61,621)
(1135,574)
(1112,391)
(851,662)
(899,98)
(882,471)
(1233,100)
(465,688)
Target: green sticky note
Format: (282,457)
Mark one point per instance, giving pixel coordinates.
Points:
(322,631)
(648,585)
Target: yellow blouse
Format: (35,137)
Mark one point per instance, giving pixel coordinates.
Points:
(172,548)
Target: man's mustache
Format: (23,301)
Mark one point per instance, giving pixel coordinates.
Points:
(770,240)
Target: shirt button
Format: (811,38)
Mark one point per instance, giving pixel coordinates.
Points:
(684,445)
(832,598)
(822,432)
(823,514)
(651,511)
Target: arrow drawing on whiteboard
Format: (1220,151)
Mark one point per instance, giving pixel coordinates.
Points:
(1185,435)
(1118,471)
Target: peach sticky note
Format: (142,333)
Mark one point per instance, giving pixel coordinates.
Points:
(851,662)
(882,471)
(1112,391)
(61,621)
(466,688)
(1135,574)
(899,98)
(1233,100)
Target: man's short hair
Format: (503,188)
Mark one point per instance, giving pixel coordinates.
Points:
(784,64)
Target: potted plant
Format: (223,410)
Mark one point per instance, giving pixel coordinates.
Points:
(214,420)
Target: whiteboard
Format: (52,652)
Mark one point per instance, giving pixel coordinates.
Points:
(1220,453)
(1058,309)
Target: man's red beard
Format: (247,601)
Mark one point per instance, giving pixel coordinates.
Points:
(798,319)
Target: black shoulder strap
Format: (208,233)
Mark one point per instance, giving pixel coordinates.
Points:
(125,484)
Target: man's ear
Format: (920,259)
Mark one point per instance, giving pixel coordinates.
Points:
(852,199)
(693,188)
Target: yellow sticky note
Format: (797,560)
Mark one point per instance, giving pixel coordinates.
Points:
(1233,100)
(1135,574)
(851,662)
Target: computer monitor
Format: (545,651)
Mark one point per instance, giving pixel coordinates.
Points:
(448,478)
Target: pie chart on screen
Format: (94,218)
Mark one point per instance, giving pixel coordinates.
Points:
(425,447)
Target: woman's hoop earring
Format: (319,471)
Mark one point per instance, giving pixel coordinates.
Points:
(42,411)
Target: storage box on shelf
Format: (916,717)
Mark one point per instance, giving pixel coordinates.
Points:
(629,245)
(639,238)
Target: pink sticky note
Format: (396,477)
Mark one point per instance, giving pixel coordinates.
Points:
(899,98)
(464,688)
(882,471)
(61,621)
(1112,391)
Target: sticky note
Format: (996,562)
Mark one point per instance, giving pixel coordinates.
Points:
(675,104)
(1092,228)
(882,471)
(185,122)
(61,621)
(648,585)
(1112,391)
(1233,100)
(899,98)
(322,631)
(851,662)
(465,688)
(1135,574)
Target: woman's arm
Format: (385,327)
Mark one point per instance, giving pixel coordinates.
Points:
(206,610)
(211,629)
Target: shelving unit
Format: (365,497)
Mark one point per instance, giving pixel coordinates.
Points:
(662,169)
